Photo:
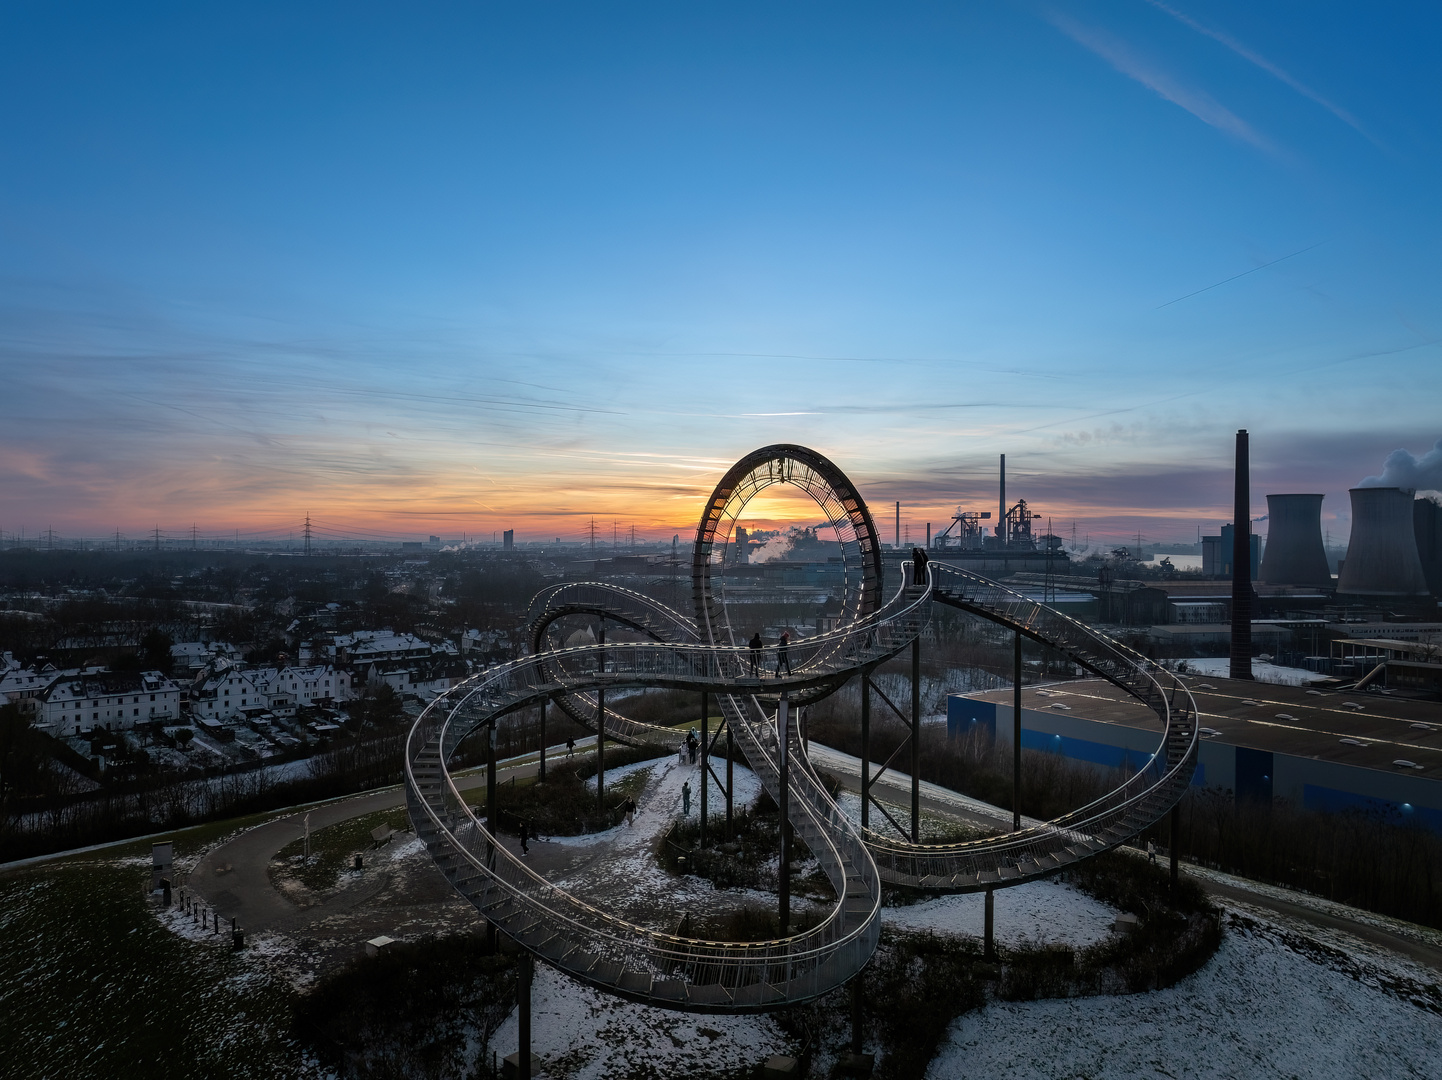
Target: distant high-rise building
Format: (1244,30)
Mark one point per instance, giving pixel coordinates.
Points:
(508,539)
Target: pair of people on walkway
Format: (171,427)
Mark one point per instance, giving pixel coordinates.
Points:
(783,653)
(692,745)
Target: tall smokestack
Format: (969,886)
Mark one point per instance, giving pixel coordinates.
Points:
(1001,517)
(1295,555)
(897,545)
(1242,564)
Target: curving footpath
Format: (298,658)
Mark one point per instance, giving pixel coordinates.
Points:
(702,654)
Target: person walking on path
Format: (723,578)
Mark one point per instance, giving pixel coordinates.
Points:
(686,799)
(783,653)
(756,646)
(525,834)
(691,745)
(570,747)
(1151,853)
(631,812)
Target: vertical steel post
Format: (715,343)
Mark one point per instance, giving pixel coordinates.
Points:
(523,1014)
(1016,736)
(601,730)
(989,935)
(730,776)
(856,1014)
(783,741)
(541,773)
(491,812)
(865,750)
(705,763)
(1176,835)
(916,739)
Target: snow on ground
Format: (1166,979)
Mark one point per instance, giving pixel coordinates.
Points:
(1050,912)
(1271,1003)
(626,879)
(1218,667)
(1425,935)
(585,1035)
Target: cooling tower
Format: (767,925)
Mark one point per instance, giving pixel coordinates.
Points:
(1382,554)
(1427,527)
(1295,555)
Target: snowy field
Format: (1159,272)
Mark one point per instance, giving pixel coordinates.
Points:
(1043,912)
(1270,1004)
(1218,667)
(587,1035)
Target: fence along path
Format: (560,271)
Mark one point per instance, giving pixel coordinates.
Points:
(674,971)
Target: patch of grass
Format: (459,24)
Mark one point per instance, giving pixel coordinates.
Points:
(91,985)
(419,1009)
(332,849)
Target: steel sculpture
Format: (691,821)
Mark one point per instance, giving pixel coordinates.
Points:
(702,653)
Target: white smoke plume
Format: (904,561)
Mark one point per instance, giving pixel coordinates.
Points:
(1402,470)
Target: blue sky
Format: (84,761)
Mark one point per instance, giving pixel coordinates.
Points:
(481,267)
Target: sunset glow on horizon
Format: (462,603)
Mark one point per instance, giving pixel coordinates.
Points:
(479,268)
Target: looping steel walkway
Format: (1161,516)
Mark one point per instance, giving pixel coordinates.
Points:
(702,654)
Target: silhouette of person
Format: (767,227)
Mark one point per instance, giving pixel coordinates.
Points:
(783,653)
(756,646)
(686,799)
(918,560)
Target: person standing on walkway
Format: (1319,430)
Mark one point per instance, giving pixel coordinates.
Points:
(525,833)
(783,653)
(691,745)
(1151,852)
(918,564)
(570,747)
(631,812)
(756,646)
(686,799)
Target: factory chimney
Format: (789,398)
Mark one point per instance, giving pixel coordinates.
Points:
(1382,555)
(1001,517)
(1242,564)
(897,545)
(1295,555)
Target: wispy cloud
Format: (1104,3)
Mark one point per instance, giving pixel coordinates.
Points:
(1253,57)
(1197,102)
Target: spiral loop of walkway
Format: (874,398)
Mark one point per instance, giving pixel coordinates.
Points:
(670,970)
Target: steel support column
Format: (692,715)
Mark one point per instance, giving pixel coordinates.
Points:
(856,1014)
(524,971)
(730,778)
(492,825)
(705,765)
(1016,736)
(541,771)
(989,931)
(916,739)
(1176,836)
(783,746)
(866,751)
(601,730)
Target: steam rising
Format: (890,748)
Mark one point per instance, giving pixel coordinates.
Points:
(1402,470)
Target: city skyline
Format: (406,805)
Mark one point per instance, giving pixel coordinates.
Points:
(489,269)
